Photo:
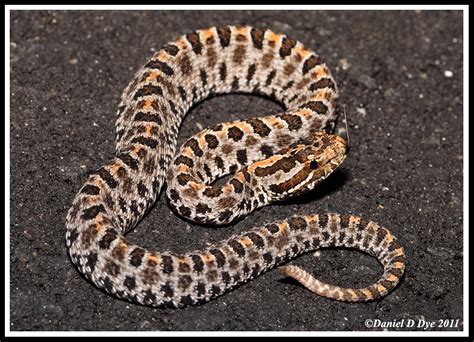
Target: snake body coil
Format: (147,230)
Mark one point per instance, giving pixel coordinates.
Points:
(271,158)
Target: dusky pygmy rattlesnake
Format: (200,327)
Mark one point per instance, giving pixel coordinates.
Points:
(275,157)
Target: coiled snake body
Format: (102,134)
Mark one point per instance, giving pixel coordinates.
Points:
(271,157)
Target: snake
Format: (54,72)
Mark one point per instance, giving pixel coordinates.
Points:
(267,159)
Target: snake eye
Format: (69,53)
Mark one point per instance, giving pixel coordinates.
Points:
(313,165)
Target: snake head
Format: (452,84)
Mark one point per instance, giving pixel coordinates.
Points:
(303,166)
(325,154)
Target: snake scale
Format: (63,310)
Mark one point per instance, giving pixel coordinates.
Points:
(269,159)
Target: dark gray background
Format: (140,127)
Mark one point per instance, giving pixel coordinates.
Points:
(68,70)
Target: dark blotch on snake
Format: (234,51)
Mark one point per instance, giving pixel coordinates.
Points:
(196,44)
(148,89)
(163,67)
(136,256)
(171,50)
(92,212)
(224,35)
(90,189)
(211,140)
(297,223)
(235,133)
(167,290)
(198,263)
(167,264)
(129,282)
(315,106)
(108,238)
(237,247)
(287,45)
(310,63)
(202,208)
(257,36)
(223,71)
(238,186)
(212,191)
(321,84)
(220,257)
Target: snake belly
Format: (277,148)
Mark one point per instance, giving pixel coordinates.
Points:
(275,157)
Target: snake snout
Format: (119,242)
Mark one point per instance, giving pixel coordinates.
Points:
(343,145)
(330,150)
